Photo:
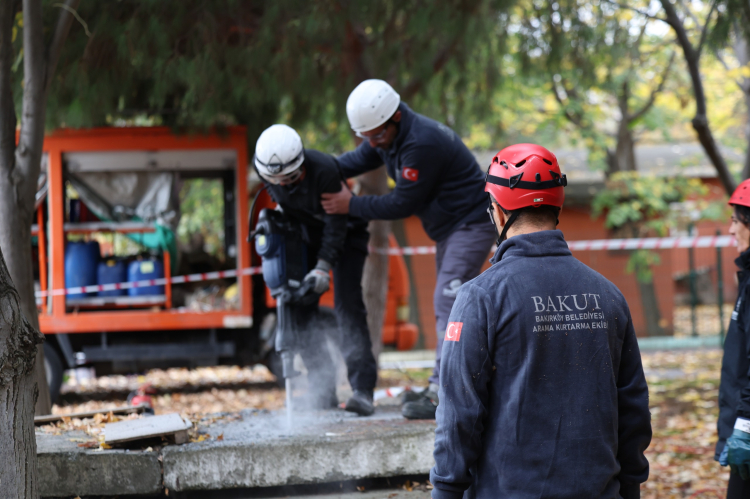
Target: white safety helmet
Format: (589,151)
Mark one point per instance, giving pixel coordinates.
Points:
(371,104)
(279,154)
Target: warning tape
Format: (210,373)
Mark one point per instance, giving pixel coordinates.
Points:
(601,244)
(653,243)
(206,276)
(592,245)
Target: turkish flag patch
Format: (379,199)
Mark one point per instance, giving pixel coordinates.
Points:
(453,332)
(410,174)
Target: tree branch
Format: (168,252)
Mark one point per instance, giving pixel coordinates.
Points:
(31,136)
(64,22)
(704,31)
(652,98)
(700,121)
(636,10)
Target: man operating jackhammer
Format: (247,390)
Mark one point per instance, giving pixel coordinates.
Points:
(541,384)
(296,178)
(437,178)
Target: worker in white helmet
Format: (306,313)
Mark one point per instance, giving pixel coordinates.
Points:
(437,179)
(296,178)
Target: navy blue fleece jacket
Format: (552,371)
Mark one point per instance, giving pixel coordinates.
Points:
(734,390)
(542,391)
(437,177)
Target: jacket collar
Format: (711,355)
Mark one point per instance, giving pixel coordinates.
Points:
(542,243)
(743,261)
(404,127)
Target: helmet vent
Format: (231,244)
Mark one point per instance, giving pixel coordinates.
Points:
(538,177)
(504,164)
(547,161)
(519,165)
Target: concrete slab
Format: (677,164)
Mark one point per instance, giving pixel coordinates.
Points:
(380,494)
(260,451)
(256,451)
(66,470)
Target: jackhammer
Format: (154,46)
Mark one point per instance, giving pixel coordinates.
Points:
(279,242)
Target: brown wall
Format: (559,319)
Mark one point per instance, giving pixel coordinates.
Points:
(577,224)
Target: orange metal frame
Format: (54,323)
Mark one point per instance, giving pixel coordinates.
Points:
(56,319)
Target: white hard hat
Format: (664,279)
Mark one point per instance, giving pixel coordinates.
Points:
(371,104)
(279,154)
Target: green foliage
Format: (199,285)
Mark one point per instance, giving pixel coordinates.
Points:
(202,215)
(640,263)
(601,64)
(198,64)
(637,205)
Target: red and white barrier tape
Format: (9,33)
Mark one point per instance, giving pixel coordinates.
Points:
(593,245)
(653,243)
(207,276)
(602,244)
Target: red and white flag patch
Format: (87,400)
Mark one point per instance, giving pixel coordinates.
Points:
(411,174)
(453,332)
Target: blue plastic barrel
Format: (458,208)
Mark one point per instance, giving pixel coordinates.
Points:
(81,261)
(111,271)
(139,270)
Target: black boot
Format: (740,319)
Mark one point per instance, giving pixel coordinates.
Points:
(424,407)
(361,403)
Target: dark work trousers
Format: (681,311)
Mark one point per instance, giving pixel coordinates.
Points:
(459,259)
(352,336)
(738,488)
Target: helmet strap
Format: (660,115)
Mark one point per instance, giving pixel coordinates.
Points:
(503,234)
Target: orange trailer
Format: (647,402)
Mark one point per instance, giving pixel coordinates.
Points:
(134,332)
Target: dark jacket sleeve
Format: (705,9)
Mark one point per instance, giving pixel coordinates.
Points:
(634,432)
(415,185)
(335,226)
(361,160)
(743,323)
(465,371)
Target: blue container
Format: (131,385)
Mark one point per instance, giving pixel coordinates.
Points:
(81,260)
(111,271)
(139,270)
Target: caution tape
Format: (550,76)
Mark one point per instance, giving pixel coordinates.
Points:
(592,245)
(601,244)
(206,276)
(653,243)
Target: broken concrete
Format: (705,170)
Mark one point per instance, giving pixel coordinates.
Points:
(257,450)
(67,470)
(261,451)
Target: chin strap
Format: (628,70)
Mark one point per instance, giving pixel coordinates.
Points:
(507,225)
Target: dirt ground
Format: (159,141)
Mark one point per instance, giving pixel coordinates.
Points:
(683,398)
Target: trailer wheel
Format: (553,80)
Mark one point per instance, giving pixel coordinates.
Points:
(53,368)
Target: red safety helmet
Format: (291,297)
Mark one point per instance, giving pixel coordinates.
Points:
(741,194)
(525,175)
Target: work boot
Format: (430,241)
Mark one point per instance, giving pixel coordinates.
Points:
(424,407)
(361,403)
(412,395)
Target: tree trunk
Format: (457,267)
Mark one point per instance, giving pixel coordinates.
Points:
(375,278)
(18,394)
(624,155)
(700,121)
(650,305)
(18,340)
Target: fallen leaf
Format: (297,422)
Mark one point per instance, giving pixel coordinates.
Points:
(220,437)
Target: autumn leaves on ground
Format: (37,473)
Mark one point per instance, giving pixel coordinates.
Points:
(683,389)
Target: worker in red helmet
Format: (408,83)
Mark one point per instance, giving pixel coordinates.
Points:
(733,447)
(542,391)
